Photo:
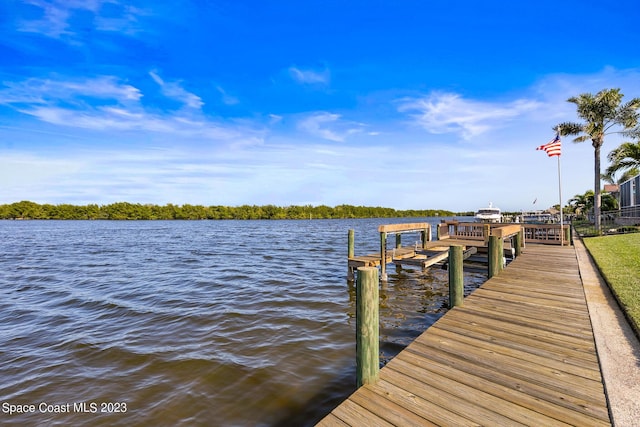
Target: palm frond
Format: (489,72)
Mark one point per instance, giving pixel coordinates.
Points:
(628,174)
(568,128)
(632,133)
(625,157)
(627,115)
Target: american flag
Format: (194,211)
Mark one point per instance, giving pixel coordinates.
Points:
(553,147)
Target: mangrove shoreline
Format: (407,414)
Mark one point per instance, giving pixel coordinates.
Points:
(137,211)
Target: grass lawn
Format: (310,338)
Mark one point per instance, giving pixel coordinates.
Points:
(618,258)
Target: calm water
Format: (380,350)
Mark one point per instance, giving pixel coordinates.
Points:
(229,323)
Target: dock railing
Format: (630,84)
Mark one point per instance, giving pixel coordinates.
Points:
(533,233)
(546,233)
(468,230)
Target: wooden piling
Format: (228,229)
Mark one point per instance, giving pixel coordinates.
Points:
(456,278)
(496,254)
(517,243)
(486,232)
(351,252)
(425,236)
(398,241)
(367,326)
(383,256)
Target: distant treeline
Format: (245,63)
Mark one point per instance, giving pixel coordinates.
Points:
(132,211)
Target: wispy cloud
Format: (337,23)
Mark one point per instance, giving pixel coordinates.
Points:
(226,98)
(57,17)
(119,119)
(274,118)
(442,112)
(123,18)
(329,126)
(45,90)
(175,91)
(107,103)
(310,76)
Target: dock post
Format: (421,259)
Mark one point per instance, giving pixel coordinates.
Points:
(425,236)
(398,246)
(571,234)
(456,278)
(486,232)
(367,326)
(517,242)
(383,256)
(351,252)
(496,253)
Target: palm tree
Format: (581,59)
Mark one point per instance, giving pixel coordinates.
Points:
(581,203)
(624,158)
(602,113)
(611,178)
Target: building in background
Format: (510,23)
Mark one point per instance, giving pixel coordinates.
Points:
(630,200)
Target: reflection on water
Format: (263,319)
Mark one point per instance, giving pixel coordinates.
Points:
(191,323)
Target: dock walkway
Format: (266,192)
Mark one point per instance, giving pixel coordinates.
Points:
(519,351)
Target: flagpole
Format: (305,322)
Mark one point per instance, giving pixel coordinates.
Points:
(560,195)
(554,148)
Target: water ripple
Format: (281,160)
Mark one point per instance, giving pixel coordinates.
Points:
(192,323)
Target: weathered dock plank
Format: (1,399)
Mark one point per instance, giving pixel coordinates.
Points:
(519,351)
(424,259)
(373,260)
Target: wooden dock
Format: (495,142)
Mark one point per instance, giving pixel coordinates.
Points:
(428,252)
(519,351)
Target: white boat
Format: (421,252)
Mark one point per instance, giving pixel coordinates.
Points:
(489,214)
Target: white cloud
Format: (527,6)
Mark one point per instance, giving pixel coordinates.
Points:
(442,112)
(226,98)
(58,15)
(42,91)
(102,118)
(118,119)
(107,104)
(124,21)
(53,22)
(309,76)
(329,126)
(274,118)
(175,91)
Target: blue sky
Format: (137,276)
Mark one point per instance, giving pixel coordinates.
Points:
(404,104)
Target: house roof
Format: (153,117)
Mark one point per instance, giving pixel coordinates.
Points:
(611,188)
